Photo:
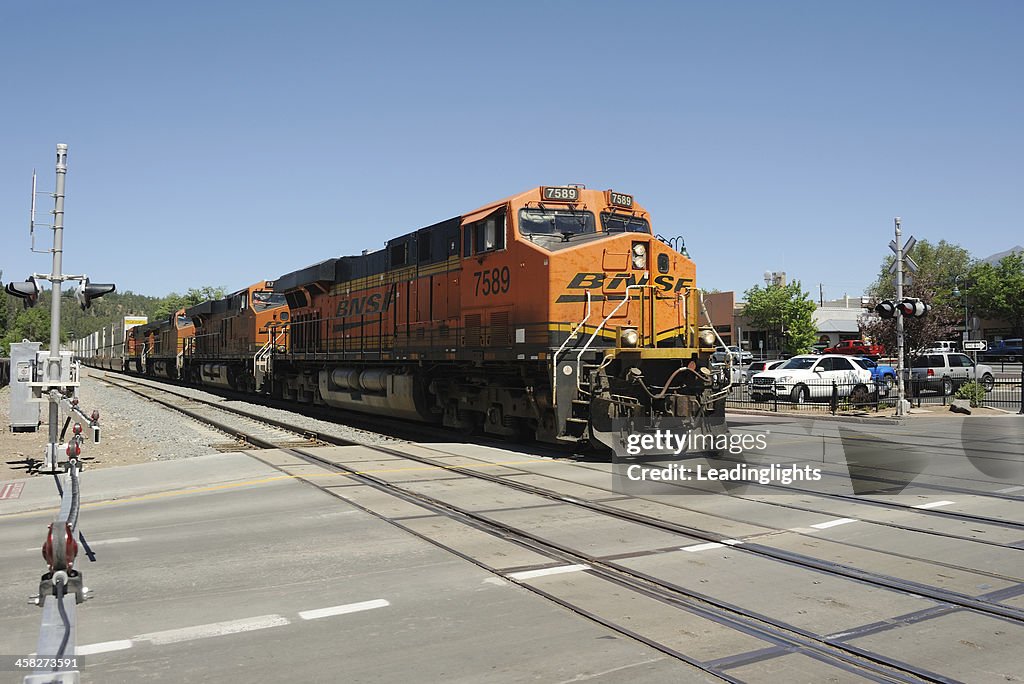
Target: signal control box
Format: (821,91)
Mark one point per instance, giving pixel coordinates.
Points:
(24,409)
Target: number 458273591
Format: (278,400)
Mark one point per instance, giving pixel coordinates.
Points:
(493,281)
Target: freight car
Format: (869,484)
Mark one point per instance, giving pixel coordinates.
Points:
(555,313)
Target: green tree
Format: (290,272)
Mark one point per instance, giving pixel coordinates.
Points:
(175,301)
(30,324)
(996,291)
(938,267)
(785,309)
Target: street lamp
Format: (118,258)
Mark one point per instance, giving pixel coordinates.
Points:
(956,294)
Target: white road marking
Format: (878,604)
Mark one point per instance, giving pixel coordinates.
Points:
(802,530)
(104,647)
(172,636)
(933,504)
(102,542)
(833,523)
(710,545)
(702,547)
(341,610)
(530,574)
(1009,490)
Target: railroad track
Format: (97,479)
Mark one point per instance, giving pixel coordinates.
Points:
(247,429)
(779,636)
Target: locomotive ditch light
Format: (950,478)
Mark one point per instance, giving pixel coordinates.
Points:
(707,337)
(639,256)
(27,291)
(628,338)
(86,292)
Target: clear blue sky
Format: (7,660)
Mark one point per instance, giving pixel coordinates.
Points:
(219,143)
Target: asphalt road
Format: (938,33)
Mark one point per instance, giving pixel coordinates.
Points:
(220,569)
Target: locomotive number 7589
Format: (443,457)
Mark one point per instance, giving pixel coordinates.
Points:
(493,281)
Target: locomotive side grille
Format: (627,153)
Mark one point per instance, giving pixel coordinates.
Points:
(499,328)
(472,327)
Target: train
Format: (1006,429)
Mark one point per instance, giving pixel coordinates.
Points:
(555,314)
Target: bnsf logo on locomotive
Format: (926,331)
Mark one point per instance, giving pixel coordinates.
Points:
(367,304)
(592,281)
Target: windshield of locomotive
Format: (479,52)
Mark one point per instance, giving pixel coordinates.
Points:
(555,222)
(624,223)
(263,300)
(184,322)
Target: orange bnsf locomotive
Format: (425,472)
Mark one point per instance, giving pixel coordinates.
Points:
(551,313)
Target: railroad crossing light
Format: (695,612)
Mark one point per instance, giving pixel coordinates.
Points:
(27,291)
(86,292)
(886,309)
(914,307)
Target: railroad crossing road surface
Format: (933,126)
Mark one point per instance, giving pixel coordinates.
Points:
(221,569)
(269,567)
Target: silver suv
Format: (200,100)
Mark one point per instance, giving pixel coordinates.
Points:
(947,371)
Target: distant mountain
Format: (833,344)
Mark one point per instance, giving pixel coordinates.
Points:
(996,258)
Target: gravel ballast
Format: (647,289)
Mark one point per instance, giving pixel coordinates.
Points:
(135,430)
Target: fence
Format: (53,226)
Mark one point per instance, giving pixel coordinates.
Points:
(1003,393)
(825,396)
(819,395)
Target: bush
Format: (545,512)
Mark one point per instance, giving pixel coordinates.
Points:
(973,391)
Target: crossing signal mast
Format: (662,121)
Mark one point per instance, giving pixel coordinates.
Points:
(902,307)
(55,381)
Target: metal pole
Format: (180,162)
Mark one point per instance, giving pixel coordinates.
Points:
(53,363)
(900,394)
(1021,412)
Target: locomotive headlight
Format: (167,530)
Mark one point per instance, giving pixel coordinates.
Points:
(707,337)
(639,255)
(628,337)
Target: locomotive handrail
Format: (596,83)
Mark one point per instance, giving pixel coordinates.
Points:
(554,365)
(579,357)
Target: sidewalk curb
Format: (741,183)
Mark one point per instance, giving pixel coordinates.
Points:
(865,420)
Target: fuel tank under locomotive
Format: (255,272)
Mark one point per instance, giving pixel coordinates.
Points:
(392,392)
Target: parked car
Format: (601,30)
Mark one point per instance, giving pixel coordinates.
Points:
(807,377)
(818,348)
(945,372)
(760,367)
(738,356)
(883,375)
(856,348)
(1004,350)
(944,347)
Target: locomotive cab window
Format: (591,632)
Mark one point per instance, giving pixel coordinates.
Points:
(486,235)
(557,222)
(263,300)
(623,223)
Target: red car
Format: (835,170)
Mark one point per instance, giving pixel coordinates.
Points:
(857,348)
